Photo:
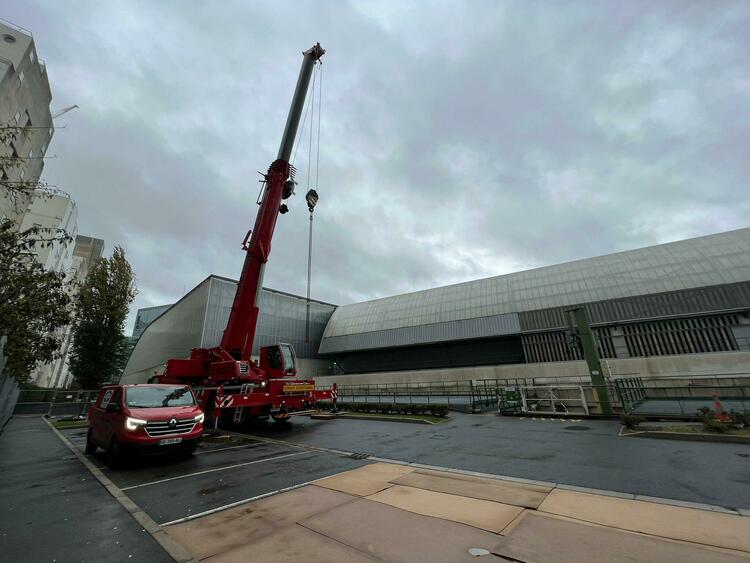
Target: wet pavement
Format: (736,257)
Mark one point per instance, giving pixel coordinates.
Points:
(171,488)
(586,453)
(53,509)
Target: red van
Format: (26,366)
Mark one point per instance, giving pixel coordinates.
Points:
(144,418)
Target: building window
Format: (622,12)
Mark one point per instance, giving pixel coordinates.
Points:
(50,132)
(32,56)
(8,38)
(17,117)
(44,148)
(21,76)
(22,174)
(31,153)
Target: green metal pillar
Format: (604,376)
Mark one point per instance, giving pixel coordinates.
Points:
(581,331)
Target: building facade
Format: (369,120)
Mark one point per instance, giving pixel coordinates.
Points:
(84,251)
(25,120)
(686,297)
(199,318)
(144,317)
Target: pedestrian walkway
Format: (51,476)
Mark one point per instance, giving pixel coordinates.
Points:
(391,512)
(53,509)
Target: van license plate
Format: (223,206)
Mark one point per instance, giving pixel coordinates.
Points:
(167,441)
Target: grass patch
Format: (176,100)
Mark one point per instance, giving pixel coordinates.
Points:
(63,424)
(397,417)
(695,430)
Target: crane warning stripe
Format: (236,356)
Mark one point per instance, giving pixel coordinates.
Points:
(223,402)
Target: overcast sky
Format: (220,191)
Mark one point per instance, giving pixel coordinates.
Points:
(459,140)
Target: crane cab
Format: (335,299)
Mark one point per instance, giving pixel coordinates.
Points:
(278,361)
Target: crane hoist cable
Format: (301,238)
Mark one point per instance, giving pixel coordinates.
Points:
(312,195)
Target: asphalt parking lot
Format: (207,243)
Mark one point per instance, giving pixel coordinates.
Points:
(586,453)
(171,489)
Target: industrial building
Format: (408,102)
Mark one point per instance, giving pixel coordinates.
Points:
(678,300)
(686,297)
(145,316)
(199,318)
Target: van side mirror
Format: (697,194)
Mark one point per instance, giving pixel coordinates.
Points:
(113,407)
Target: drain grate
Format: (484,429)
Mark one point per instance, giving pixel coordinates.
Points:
(359,455)
(576,428)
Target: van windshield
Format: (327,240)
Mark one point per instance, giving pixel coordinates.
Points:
(152,397)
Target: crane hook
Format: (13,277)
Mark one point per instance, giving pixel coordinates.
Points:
(312,199)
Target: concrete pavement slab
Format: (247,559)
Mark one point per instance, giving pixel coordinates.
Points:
(365,480)
(397,536)
(518,494)
(246,525)
(483,514)
(674,522)
(539,537)
(293,545)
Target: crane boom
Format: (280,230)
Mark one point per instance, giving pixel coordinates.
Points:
(240,332)
(225,376)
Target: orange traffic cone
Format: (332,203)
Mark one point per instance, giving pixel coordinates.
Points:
(720,412)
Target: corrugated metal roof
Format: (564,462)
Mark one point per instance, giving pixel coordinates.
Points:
(718,259)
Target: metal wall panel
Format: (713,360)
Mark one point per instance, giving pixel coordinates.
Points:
(199,318)
(715,260)
(674,303)
(282,319)
(482,327)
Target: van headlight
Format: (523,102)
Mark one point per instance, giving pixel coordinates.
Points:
(200,418)
(134,423)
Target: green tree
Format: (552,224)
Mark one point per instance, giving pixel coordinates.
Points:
(98,351)
(33,302)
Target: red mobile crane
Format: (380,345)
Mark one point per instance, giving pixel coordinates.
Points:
(225,376)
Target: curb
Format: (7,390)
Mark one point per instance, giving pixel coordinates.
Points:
(601,492)
(694,437)
(175,550)
(734,511)
(390,419)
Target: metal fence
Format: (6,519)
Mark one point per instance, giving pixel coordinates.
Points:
(467,396)
(665,398)
(55,402)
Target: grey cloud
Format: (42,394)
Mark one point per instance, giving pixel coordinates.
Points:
(460,139)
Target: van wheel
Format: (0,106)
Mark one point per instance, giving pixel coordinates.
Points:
(90,445)
(114,456)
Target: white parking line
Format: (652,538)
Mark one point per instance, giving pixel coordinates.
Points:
(248,446)
(212,470)
(239,502)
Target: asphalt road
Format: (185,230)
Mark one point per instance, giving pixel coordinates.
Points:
(172,488)
(52,508)
(587,453)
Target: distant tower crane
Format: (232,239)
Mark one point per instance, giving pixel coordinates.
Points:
(63,111)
